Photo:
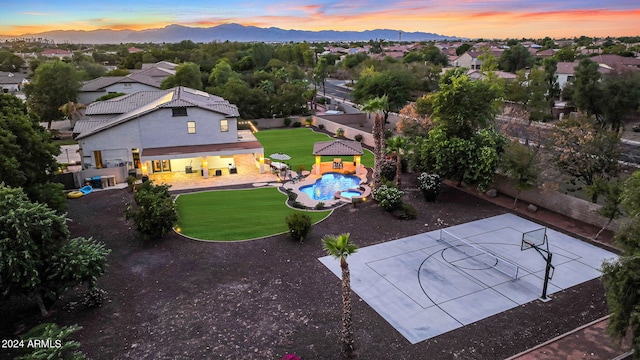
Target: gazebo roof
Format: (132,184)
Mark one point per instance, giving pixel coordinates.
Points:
(337,148)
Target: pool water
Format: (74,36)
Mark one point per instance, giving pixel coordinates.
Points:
(351,193)
(325,187)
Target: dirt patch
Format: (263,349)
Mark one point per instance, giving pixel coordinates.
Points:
(183,299)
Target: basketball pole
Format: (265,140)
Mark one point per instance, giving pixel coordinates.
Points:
(547,259)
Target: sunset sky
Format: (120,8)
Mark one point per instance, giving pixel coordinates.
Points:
(465,18)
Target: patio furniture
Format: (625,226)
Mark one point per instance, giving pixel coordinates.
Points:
(218,172)
(337,163)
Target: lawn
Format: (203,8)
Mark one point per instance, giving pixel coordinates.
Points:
(228,215)
(298,143)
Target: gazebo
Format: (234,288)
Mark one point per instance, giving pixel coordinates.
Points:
(337,148)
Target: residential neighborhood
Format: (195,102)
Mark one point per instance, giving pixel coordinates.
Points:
(463,198)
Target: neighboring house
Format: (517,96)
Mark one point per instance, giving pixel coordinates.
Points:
(470,59)
(12,83)
(56,53)
(148,78)
(175,130)
(617,63)
(478,75)
(565,71)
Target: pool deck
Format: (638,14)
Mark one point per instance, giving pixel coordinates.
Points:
(326,167)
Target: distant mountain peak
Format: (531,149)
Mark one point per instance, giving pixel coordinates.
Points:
(226,32)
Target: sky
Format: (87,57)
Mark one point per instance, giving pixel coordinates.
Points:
(498,19)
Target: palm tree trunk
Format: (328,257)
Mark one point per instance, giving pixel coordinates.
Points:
(604,227)
(378,138)
(347,333)
(398,170)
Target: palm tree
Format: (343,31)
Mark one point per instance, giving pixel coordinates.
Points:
(376,105)
(397,145)
(340,248)
(73,111)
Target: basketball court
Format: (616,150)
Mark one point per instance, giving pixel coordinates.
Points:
(431,283)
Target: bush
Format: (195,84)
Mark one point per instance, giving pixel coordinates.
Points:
(388,169)
(319,206)
(62,346)
(308,121)
(430,186)
(408,212)
(299,226)
(297,124)
(155,214)
(291,196)
(321,126)
(287,121)
(390,198)
(358,138)
(339,132)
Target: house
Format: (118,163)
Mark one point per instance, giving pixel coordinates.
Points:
(175,130)
(12,83)
(616,62)
(56,53)
(150,77)
(565,71)
(471,61)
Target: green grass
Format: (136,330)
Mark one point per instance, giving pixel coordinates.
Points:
(229,215)
(298,143)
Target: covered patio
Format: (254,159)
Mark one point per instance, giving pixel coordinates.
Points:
(336,150)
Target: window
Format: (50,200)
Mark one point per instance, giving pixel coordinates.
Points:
(179,111)
(224,125)
(191,127)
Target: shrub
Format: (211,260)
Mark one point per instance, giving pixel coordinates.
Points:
(388,169)
(407,212)
(298,205)
(308,121)
(155,214)
(319,206)
(63,347)
(297,124)
(430,186)
(321,126)
(291,196)
(358,138)
(390,198)
(339,132)
(287,121)
(299,226)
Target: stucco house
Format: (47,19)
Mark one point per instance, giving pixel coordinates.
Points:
(175,130)
(12,83)
(148,78)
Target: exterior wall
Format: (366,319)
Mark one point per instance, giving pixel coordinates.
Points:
(563,204)
(109,142)
(157,129)
(349,132)
(161,129)
(563,79)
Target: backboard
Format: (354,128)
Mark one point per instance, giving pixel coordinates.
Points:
(534,238)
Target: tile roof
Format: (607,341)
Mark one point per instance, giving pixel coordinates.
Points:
(134,105)
(337,148)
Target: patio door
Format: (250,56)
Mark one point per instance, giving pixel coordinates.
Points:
(161,166)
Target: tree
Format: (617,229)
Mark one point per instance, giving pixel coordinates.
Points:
(9,61)
(187,74)
(612,191)
(72,111)
(463,146)
(320,73)
(515,58)
(584,152)
(67,348)
(551,81)
(37,259)
(221,73)
(520,164)
(54,83)
(621,277)
(395,85)
(375,106)
(155,214)
(622,96)
(397,146)
(340,248)
(587,90)
(28,154)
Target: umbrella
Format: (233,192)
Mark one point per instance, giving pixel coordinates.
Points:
(280,156)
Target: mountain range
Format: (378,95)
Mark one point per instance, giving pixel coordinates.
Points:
(226,32)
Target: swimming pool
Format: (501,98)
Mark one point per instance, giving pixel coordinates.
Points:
(325,187)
